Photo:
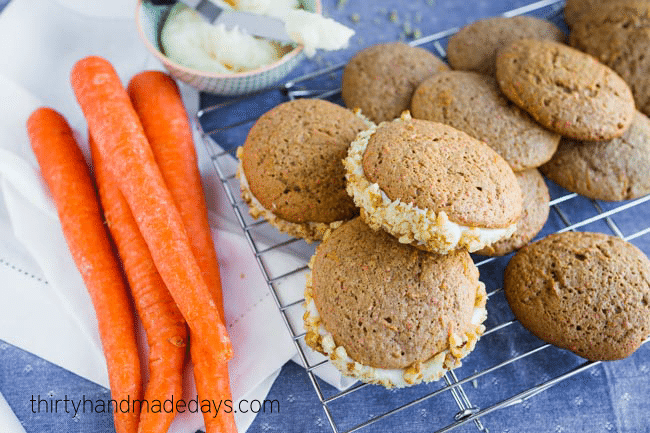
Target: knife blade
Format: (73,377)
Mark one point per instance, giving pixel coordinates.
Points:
(254,24)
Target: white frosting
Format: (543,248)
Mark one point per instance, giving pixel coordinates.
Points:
(192,42)
(454,230)
(315,31)
(430,370)
(409,223)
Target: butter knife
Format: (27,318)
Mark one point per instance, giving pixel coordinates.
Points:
(254,24)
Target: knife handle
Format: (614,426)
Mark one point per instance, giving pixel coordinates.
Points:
(162,2)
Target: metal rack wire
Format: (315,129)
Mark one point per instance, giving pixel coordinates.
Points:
(265,242)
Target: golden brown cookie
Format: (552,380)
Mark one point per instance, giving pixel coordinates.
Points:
(380,79)
(388,313)
(575,10)
(432,185)
(613,170)
(565,90)
(475,46)
(536,208)
(618,34)
(585,292)
(291,171)
(474,104)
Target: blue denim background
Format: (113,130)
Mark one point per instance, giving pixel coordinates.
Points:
(611,397)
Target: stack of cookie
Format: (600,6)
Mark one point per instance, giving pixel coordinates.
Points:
(590,160)
(585,292)
(393,297)
(617,33)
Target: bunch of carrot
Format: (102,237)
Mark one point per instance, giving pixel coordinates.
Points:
(150,190)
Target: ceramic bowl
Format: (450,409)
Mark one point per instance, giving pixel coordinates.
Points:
(149,19)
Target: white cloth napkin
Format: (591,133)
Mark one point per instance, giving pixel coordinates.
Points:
(9,423)
(46,309)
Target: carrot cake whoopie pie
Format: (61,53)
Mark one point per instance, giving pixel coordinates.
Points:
(432,185)
(388,313)
(291,172)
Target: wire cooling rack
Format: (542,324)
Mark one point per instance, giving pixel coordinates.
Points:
(235,117)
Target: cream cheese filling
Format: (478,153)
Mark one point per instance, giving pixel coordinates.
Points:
(409,223)
(190,41)
(316,31)
(433,369)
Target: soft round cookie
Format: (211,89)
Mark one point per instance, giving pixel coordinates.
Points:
(432,185)
(388,313)
(291,172)
(585,292)
(381,79)
(475,46)
(618,34)
(576,10)
(565,90)
(474,104)
(536,200)
(605,170)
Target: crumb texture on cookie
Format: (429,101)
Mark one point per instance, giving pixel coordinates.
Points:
(565,90)
(475,46)
(437,167)
(473,103)
(535,213)
(381,79)
(611,170)
(292,160)
(585,292)
(388,313)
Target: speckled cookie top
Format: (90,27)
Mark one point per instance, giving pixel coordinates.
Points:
(381,79)
(586,292)
(292,160)
(475,46)
(565,90)
(474,104)
(435,166)
(613,170)
(618,34)
(389,304)
(535,213)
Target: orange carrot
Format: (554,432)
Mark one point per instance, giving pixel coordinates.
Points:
(66,174)
(122,143)
(213,383)
(158,103)
(162,322)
